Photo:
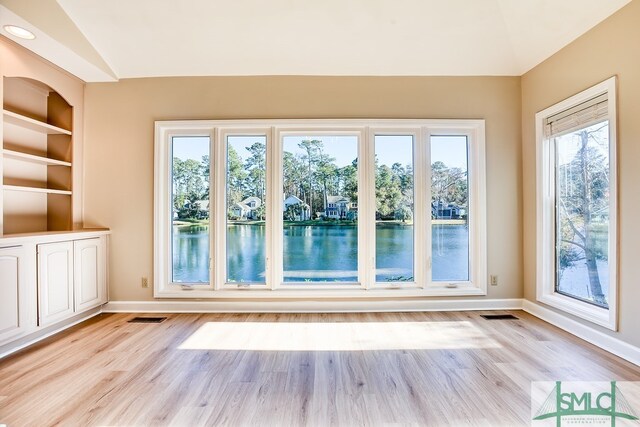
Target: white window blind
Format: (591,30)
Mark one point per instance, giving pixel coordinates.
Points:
(591,111)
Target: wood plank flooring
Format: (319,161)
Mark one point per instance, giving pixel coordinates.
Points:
(433,369)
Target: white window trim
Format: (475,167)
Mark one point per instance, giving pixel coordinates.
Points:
(545,201)
(220,262)
(163,210)
(477,204)
(421,234)
(217,130)
(329,130)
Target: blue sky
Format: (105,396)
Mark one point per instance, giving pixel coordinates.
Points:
(452,150)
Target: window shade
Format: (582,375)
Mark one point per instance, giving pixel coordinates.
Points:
(591,111)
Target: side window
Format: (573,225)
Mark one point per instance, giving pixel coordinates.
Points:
(577,205)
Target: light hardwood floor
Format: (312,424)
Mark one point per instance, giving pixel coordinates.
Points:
(296,369)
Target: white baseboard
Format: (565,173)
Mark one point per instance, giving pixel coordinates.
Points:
(311,306)
(587,333)
(30,339)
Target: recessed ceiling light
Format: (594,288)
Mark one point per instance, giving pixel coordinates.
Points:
(19,32)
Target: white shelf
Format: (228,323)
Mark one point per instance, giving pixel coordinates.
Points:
(36,190)
(17,155)
(29,123)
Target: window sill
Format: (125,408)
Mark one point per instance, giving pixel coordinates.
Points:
(600,316)
(432,291)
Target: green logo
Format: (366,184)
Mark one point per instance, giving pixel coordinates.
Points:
(609,403)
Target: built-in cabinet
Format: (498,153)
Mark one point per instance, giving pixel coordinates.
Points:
(47,279)
(53,269)
(71,278)
(13,295)
(55,282)
(89,275)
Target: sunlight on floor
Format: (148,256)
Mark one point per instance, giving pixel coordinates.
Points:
(342,336)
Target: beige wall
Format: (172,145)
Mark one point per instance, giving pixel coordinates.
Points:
(609,49)
(119,147)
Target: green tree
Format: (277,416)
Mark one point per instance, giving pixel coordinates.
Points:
(236,176)
(326,172)
(403,213)
(293,175)
(293,212)
(449,185)
(206,169)
(388,193)
(348,177)
(188,186)
(257,168)
(311,148)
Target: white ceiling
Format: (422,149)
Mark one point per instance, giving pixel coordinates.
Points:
(145,38)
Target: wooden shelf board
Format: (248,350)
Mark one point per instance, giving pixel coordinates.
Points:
(17,155)
(35,190)
(29,123)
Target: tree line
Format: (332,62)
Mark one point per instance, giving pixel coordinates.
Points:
(312,175)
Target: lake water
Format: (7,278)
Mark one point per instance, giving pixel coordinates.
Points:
(321,253)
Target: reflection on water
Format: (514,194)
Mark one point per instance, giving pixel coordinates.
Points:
(246,253)
(394,252)
(450,252)
(320,253)
(191,253)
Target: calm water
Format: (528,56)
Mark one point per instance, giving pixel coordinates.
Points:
(320,254)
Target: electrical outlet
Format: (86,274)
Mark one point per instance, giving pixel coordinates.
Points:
(145,282)
(494,280)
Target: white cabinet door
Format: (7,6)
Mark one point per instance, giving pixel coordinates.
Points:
(13,307)
(55,282)
(89,273)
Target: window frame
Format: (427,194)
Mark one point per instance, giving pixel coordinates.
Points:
(420,270)
(366,129)
(220,262)
(546,212)
(476,173)
(277,253)
(163,209)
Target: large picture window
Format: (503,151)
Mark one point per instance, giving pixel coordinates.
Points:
(320,209)
(577,205)
(339,207)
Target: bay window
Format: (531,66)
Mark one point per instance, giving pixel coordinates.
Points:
(331,208)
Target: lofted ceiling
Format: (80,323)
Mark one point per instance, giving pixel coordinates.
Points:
(149,38)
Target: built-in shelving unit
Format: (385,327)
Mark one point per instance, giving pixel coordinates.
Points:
(12,118)
(36,189)
(37,142)
(17,155)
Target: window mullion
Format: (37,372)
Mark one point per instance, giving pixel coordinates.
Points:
(220,242)
(422,172)
(274,211)
(366,210)
(275,223)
